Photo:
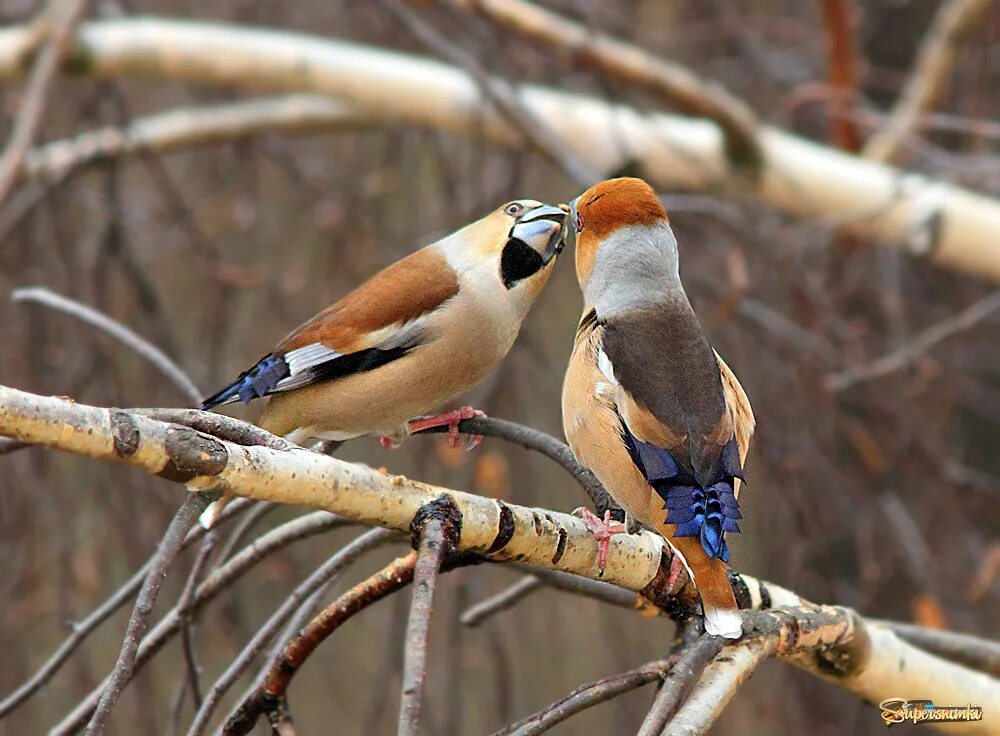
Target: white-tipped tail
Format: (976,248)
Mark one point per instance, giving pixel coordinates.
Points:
(723,622)
(211,515)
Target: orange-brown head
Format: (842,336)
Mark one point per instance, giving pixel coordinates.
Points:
(622,231)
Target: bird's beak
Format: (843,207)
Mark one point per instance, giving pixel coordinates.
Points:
(543,229)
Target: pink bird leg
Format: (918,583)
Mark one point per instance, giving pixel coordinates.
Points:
(449,419)
(602,531)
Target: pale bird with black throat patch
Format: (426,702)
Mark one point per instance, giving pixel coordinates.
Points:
(410,340)
(648,405)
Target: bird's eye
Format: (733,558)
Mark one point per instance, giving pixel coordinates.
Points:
(513,209)
(579,223)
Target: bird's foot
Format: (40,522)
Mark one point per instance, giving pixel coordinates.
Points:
(602,529)
(451,420)
(676,567)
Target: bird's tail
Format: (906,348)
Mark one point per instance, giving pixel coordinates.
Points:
(711,577)
(251,384)
(211,514)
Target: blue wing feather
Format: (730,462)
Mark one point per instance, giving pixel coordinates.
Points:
(706,513)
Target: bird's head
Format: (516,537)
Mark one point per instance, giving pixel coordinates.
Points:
(536,237)
(623,241)
(517,244)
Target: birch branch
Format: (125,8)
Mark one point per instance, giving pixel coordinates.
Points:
(626,63)
(53,31)
(949,225)
(190,127)
(837,644)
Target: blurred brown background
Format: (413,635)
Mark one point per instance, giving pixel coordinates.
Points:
(883,496)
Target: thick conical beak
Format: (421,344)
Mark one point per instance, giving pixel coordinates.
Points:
(543,229)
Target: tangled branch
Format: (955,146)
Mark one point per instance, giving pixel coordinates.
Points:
(833,643)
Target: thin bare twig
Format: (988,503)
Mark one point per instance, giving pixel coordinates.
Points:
(271,693)
(189,127)
(258,512)
(956,20)
(545,444)
(222,578)
(55,29)
(628,64)
(138,622)
(971,651)
(221,426)
(717,685)
(586,696)
(692,657)
(191,668)
(506,598)
(333,566)
(917,347)
(437,527)
(82,629)
(152,354)
(502,94)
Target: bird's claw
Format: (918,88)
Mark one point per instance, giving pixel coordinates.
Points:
(602,529)
(451,420)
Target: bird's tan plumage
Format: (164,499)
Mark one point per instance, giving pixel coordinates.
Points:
(400,293)
(412,338)
(648,405)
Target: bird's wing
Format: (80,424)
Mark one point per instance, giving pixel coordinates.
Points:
(670,386)
(375,324)
(740,411)
(634,470)
(676,419)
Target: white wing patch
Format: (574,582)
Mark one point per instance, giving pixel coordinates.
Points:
(301,360)
(604,366)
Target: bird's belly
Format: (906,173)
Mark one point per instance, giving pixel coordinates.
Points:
(378,401)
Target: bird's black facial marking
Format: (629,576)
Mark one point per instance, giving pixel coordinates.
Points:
(518,261)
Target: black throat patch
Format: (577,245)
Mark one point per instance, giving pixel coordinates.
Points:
(518,261)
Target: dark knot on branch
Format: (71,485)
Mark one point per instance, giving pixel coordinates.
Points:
(445,511)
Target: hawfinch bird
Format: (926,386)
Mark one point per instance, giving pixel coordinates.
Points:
(648,405)
(412,338)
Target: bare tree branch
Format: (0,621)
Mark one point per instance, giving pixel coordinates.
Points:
(916,347)
(82,629)
(138,622)
(839,20)
(799,177)
(152,354)
(865,659)
(54,29)
(674,84)
(692,657)
(956,20)
(545,444)
(191,666)
(196,126)
(219,580)
(506,598)
(970,651)
(436,527)
(586,696)
(322,575)
(500,93)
